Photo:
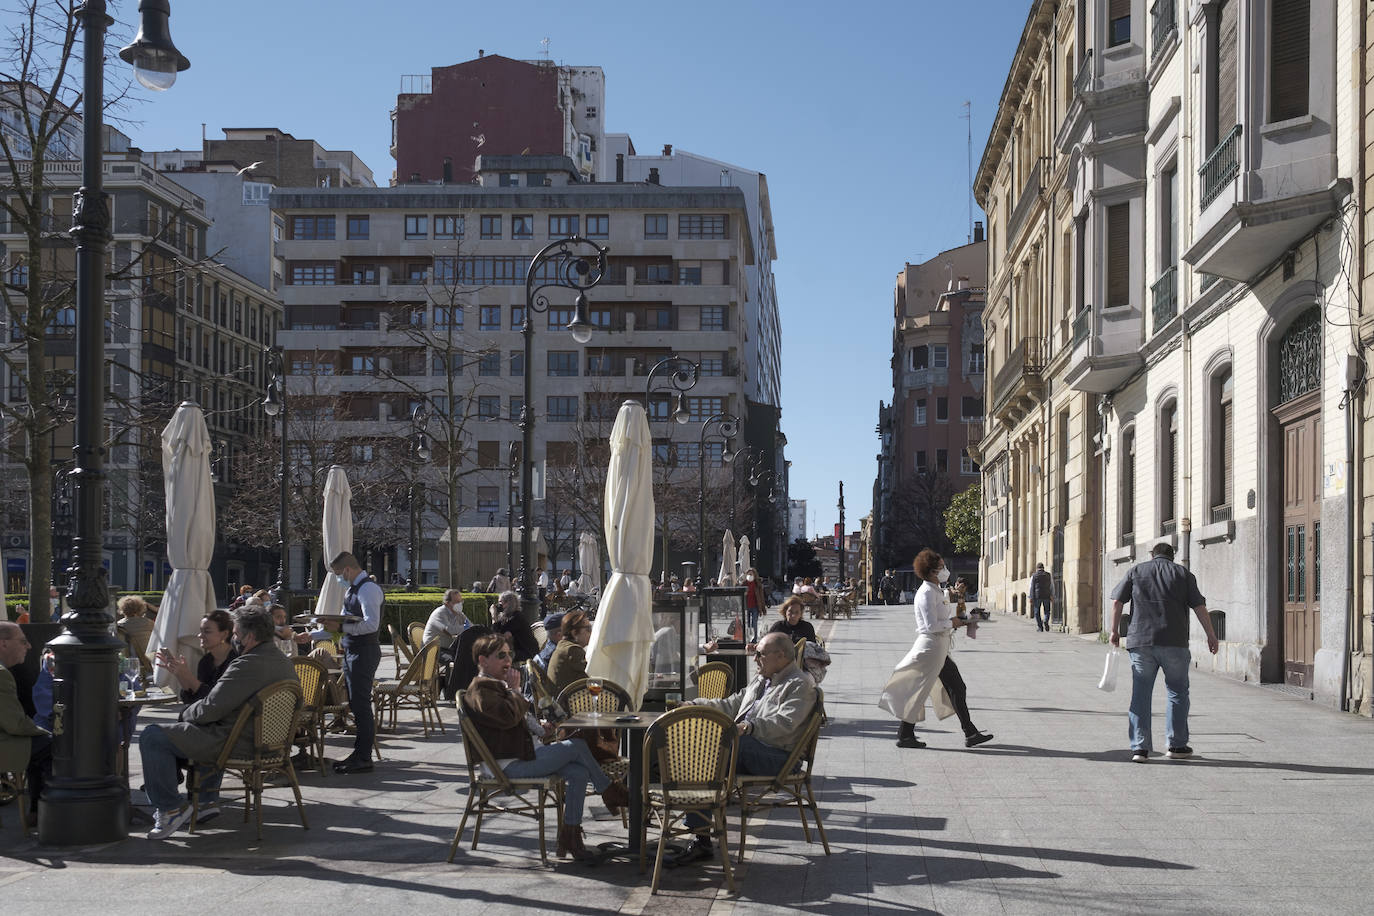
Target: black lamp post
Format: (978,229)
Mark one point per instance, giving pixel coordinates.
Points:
(757,478)
(85,801)
(839,540)
(681,376)
(512,474)
(569,263)
(721,427)
(274,404)
(415,496)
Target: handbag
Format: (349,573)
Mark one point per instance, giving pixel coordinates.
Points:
(1109,669)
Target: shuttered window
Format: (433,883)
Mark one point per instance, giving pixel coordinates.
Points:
(1224,72)
(1118,22)
(1168,463)
(1290,37)
(1221,441)
(1127,517)
(1119,255)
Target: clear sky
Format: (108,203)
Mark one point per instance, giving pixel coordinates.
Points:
(853,110)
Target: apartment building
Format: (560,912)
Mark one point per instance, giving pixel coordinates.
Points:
(180,327)
(415,295)
(1179,356)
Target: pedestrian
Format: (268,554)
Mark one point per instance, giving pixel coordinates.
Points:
(1041,595)
(753,602)
(914,678)
(362,602)
(1160,593)
(887,588)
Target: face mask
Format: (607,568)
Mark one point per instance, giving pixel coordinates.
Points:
(342,580)
(944,575)
(749,578)
(238,646)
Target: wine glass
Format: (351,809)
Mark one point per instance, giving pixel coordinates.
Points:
(594,688)
(132,669)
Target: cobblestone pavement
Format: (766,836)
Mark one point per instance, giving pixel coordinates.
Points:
(1272,815)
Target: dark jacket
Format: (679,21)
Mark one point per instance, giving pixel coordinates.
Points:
(1041,585)
(206,723)
(567,664)
(499,716)
(803,630)
(207,672)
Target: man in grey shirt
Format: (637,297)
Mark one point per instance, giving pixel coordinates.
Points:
(1160,593)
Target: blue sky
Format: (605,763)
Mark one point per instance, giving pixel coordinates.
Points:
(853,111)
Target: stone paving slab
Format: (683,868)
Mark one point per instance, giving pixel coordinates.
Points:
(1272,815)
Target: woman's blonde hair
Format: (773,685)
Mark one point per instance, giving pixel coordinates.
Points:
(132,606)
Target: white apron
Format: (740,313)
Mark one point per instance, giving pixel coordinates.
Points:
(917,677)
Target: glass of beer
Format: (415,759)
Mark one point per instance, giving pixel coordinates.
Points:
(594,688)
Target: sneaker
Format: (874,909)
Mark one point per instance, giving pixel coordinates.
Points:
(700,850)
(1140,756)
(208,812)
(977,738)
(1179,753)
(167,821)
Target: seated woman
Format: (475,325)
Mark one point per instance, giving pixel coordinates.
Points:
(569,660)
(503,719)
(215,631)
(792,624)
(507,620)
(135,628)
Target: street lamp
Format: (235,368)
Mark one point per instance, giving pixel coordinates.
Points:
(757,478)
(682,376)
(568,263)
(512,474)
(726,426)
(85,801)
(839,540)
(419,437)
(274,404)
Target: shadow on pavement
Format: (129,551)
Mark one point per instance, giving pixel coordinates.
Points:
(1122,755)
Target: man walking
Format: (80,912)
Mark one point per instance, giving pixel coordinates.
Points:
(1041,596)
(1160,593)
(362,653)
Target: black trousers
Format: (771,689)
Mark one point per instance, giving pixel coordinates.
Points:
(954,685)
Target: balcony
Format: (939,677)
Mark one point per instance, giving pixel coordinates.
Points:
(1020,383)
(1109,351)
(1164,25)
(1082,326)
(1030,196)
(1164,299)
(1220,167)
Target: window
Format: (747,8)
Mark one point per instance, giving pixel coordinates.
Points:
(600,318)
(488,407)
(689,276)
(517,362)
(509,179)
(488,499)
(417,272)
(537,179)
(358,227)
(920,418)
(939,356)
(489,364)
(256,193)
(563,362)
(703,226)
(490,318)
(517,403)
(490,227)
(364,275)
(1127,483)
(312,273)
(1168,222)
(920,356)
(562,409)
(312,228)
(522,227)
(971,408)
(417,227)
(658,319)
(713,318)
(659,273)
(559,318)
(448,227)
(1168,466)
(688,454)
(1118,255)
(488,453)
(655,225)
(598,227)
(977,360)
(599,364)
(1118,22)
(712,364)
(560,226)
(702,409)
(1221,31)
(967,465)
(1290,46)
(942,461)
(448,317)
(921,465)
(362,364)
(445,269)
(1221,443)
(942,410)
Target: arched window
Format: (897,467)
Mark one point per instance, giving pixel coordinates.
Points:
(1221,445)
(1126,515)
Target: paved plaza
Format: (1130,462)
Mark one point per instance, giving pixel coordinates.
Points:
(1272,815)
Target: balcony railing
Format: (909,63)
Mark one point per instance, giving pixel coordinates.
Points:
(1027,360)
(1164,293)
(1219,514)
(1221,166)
(1164,18)
(1082,325)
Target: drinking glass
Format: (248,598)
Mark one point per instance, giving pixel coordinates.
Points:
(132,669)
(594,688)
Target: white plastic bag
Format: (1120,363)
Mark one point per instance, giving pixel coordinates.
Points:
(1109,669)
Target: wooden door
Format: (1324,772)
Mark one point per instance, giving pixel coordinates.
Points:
(1300,537)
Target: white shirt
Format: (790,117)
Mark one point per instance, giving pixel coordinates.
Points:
(932,610)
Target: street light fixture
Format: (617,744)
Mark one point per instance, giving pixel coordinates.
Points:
(726,427)
(86,801)
(682,376)
(568,263)
(274,405)
(156,61)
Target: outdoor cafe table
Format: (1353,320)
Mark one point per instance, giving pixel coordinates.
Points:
(634,731)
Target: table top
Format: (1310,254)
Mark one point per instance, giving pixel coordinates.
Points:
(741,651)
(608,720)
(324,618)
(152,699)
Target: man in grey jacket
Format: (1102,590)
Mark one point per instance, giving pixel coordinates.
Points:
(204,726)
(771,712)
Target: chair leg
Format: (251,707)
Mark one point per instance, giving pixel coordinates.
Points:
(543,845)
(816,813)
(658,857)
(258,779)
(477,822)
(725,849)
(743,826)
(458,834)
(296,789)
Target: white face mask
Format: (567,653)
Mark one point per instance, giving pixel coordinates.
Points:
(749,578)
(343,580)
(944,575)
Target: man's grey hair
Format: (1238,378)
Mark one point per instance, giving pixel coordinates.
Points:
(1163,549)
(256,621)
(770,643)
(454,596)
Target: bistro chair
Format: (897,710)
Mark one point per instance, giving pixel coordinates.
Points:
(715,681)
(314,678)
(491,791)
(416,632)
(272,716)
(418,689)
(576,698)
(12,785)
(694,749)
(790,787)
(400,651)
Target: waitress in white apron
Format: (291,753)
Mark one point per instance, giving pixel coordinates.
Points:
(917,675)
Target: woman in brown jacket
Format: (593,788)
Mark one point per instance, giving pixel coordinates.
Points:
(503,719)
(569,661)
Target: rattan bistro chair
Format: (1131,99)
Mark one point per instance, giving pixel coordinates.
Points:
(12,786)
(694,748)
(491,791)
(576,698)
(313,677)
(400,651)
(416,634)
(418,689)
(273,714)
(715,681)
(790,787)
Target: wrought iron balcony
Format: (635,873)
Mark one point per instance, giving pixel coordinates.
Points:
(1164,19)
(1020,380)
(1164,292)
(1222,164)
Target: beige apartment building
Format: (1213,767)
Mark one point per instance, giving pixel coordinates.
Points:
(1172,354)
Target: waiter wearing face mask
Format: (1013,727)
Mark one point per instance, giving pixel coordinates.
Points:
(362,654)
(925,665)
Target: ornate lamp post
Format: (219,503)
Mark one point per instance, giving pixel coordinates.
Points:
(512,474)
(757,478)
(85,801)
(678,374)
(839,541)
(721,427)
(274,404)
(569,263)
(415,496)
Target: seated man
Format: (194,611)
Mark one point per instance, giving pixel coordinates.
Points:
(446,623)
(205,724)
(771,713)
(553,633)
(23,742)
(503,718)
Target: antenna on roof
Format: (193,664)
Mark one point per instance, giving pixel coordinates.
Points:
(544,44)
(968,116)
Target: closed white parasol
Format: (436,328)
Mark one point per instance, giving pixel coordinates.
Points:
(190,496)
(745,560)
(727,560)
(624,631)
(337,535)
(589,561)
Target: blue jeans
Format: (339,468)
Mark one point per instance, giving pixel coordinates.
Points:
(755,759)
(360,663)
(160,757)
(572,760)
(1042,622)
(1145,664)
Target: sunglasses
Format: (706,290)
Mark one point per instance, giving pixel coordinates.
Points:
(759,655)
(504,655)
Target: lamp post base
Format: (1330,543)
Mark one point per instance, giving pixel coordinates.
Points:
(83,815)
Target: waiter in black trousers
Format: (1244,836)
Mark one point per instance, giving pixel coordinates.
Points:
(362,654)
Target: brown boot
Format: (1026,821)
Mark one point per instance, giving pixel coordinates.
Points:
(616,795)
(570,843)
